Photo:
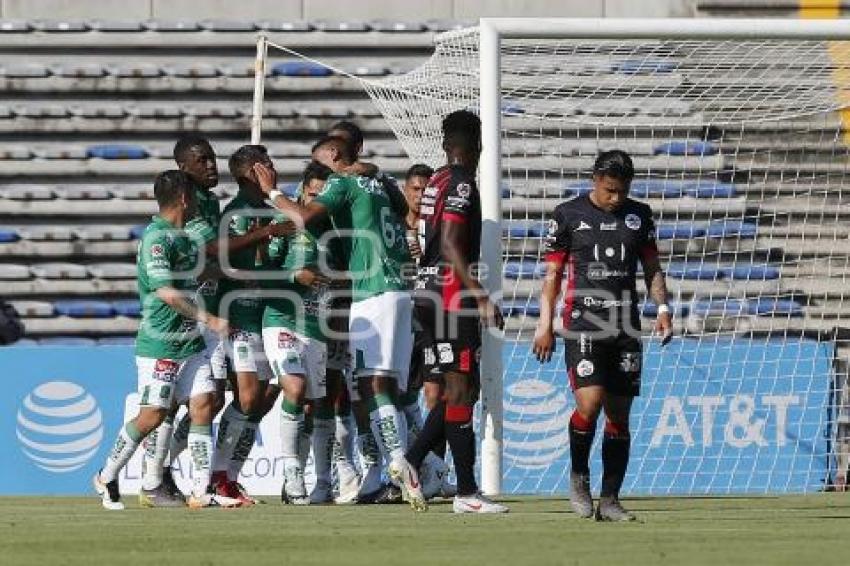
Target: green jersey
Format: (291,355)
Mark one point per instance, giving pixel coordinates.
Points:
(362,212)
(302,309)
(246,311)
(204,228)
(165,259)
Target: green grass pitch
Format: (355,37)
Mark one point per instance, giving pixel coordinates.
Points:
(803,531)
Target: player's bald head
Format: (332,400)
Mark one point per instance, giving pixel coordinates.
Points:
(333,152)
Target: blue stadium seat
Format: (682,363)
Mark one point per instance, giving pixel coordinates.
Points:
(529,307)
(710,189)
(685,148)
(695,271)
(290,189)
(656,188)
(128,307)
(67,341)
(522,269)
(680,231)
(752,272)
(719,307)
(136,232)
(575,188)
(116,341)
(643,67)
(9,235)
(650,310)
(765,306)
(84,309)
(117,151)
(512,109)
(732,229)
(524,229)
(300,69)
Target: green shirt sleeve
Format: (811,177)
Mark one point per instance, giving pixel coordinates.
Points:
(157,253)
(201,231)
(335,195)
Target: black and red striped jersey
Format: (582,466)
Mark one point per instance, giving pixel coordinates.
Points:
(600,251)
(451,196)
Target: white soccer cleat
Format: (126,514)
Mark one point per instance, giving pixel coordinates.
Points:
(349,488)
(401,472)
(110,497)
(294,491)
(212,500)
(477,503)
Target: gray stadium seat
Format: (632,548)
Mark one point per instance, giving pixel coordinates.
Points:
(48,233)
(83,192)
(116,26)
(368,70)
(59,270)
(133,192)
(341,26)
(387,149)
(15,26)
(228,25)
(279,111)
(238,70)
(192,70)
(25,71)
(396,26)
(6,113)
(80,70)
(109,111)
(62,152)
(162,111)
(290,149)
(27,192)
(62,26)
(34,309)
(42,111)
(328,110)
(440,26)
(136,70)
(104,233)
(284,26)
(16,154)
(171,25)
(218,111)
(113,270)
(14,272)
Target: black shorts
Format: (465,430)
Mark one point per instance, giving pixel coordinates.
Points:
(614,363)
(445,342)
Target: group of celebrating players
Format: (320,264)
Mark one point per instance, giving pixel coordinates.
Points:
(341,306)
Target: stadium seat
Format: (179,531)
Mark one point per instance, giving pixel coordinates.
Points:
(42,111)
(337,111)
(367,70)
(16,153)
(84,309)
(137,231)
(15,26)
(136,70)
(27,192)
(34,309)
(576,188)
(161,111)
(228,26)
(695,271)
(101,111)
(59,270)
(116,341)
(300,69)
(8,235)
(133,192)
(25,71)
(650,309)
(728,229)
(62,26)
(524,229)
(218,111)
(656,188)
(14,272)
(67,341)
(765,306)
(63,152)
(82,192)
(103,233)
(440,26)
(752,272)
(48,233)
(284,26)
(117,151)
(341,26)
(523,269)
(279,111)
(710,189)
(719,307)
(686,148)
(128,307)
(643,67)
(192,70)
(529,307)
(396,26)
(171,26)
(116,26)
(113,270)
(80,70)
(290,189)
(680,231)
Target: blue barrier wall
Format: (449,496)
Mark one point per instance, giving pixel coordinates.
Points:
(724,416)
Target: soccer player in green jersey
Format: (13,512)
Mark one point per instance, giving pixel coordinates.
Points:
(380,332)
(170,355)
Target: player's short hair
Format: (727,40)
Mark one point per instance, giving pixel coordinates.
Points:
(169,186)
(615,163)
(187,143)
(462,128)
(354,132)
(315,170)
(245,157)
(341,144)
(419,170)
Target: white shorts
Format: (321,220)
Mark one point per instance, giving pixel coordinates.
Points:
(215,352)
(291,353)
(165,382)
(381,336)
(246,354)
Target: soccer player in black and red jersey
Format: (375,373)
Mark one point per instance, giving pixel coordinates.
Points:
(599,238)
(452,306)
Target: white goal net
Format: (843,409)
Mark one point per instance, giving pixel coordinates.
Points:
(741,149)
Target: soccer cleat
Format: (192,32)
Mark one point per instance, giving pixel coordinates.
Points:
(321,494)
(225,487)
(244,496)
(402,473)
(294,492)
(110,497)
(349,487)
(211,500)
(477,503)
(160,496)
(610,509)
(580,498)
(169,484)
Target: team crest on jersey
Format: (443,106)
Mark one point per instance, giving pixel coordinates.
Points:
(633,222)
(444,350)
(464,190)
(585,368)
(157,250)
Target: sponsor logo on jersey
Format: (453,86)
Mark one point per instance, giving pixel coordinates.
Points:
(285,340)
(59,426)
(583,226)
(605,303)
(633,222)
(630,362)
(585,368)
(165,370)
(430,191)
(444,351)
(464,190)
(429,357)
(157,250)
(609,227)
(598,271)
(465,363)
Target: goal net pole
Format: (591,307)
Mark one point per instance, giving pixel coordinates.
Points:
(259,89)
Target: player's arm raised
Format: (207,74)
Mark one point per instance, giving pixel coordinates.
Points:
(557,250)
(656,286)
(301,215)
